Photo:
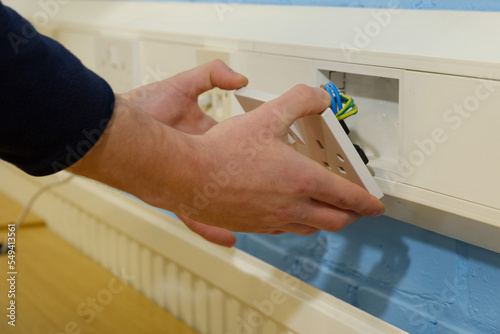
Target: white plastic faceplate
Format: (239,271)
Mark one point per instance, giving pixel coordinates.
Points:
(321,138)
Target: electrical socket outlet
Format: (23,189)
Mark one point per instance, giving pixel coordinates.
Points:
(117,62)
(321,138)
(376,128)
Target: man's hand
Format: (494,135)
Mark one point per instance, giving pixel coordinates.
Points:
(253,181)
(240,175)
(174,102)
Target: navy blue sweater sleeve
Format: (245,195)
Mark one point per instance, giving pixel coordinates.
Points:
(52,108)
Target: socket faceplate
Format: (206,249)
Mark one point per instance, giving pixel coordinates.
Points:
(321,138)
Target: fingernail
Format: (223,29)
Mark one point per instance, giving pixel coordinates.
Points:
(378,213)
(242,77)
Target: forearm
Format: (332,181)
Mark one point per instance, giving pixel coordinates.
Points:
(52,108)
(142,156)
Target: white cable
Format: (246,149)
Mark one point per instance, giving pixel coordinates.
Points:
(32,200)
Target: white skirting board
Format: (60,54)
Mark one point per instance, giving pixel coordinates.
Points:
(210,288)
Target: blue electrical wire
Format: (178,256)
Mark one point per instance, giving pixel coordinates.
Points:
(334,93)
(344,105)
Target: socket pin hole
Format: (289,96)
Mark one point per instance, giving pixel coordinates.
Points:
(342,170)
(320,145)
(327,165)
(341,158)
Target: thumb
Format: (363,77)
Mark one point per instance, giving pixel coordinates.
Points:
(298,102)
(211,75)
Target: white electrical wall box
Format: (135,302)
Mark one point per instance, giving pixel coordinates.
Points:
(428,101)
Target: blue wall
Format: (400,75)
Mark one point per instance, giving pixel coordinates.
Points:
(408,4)
(417,280)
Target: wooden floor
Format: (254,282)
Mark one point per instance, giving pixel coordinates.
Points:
(60,290)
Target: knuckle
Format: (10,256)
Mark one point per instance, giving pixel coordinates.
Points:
(289,214)
(303,186)
(349,199)
(345,201)
(284,215)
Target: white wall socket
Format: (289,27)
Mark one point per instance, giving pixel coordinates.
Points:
(118,62)
(321,138)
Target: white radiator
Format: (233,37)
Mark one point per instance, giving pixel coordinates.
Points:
(210,288)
